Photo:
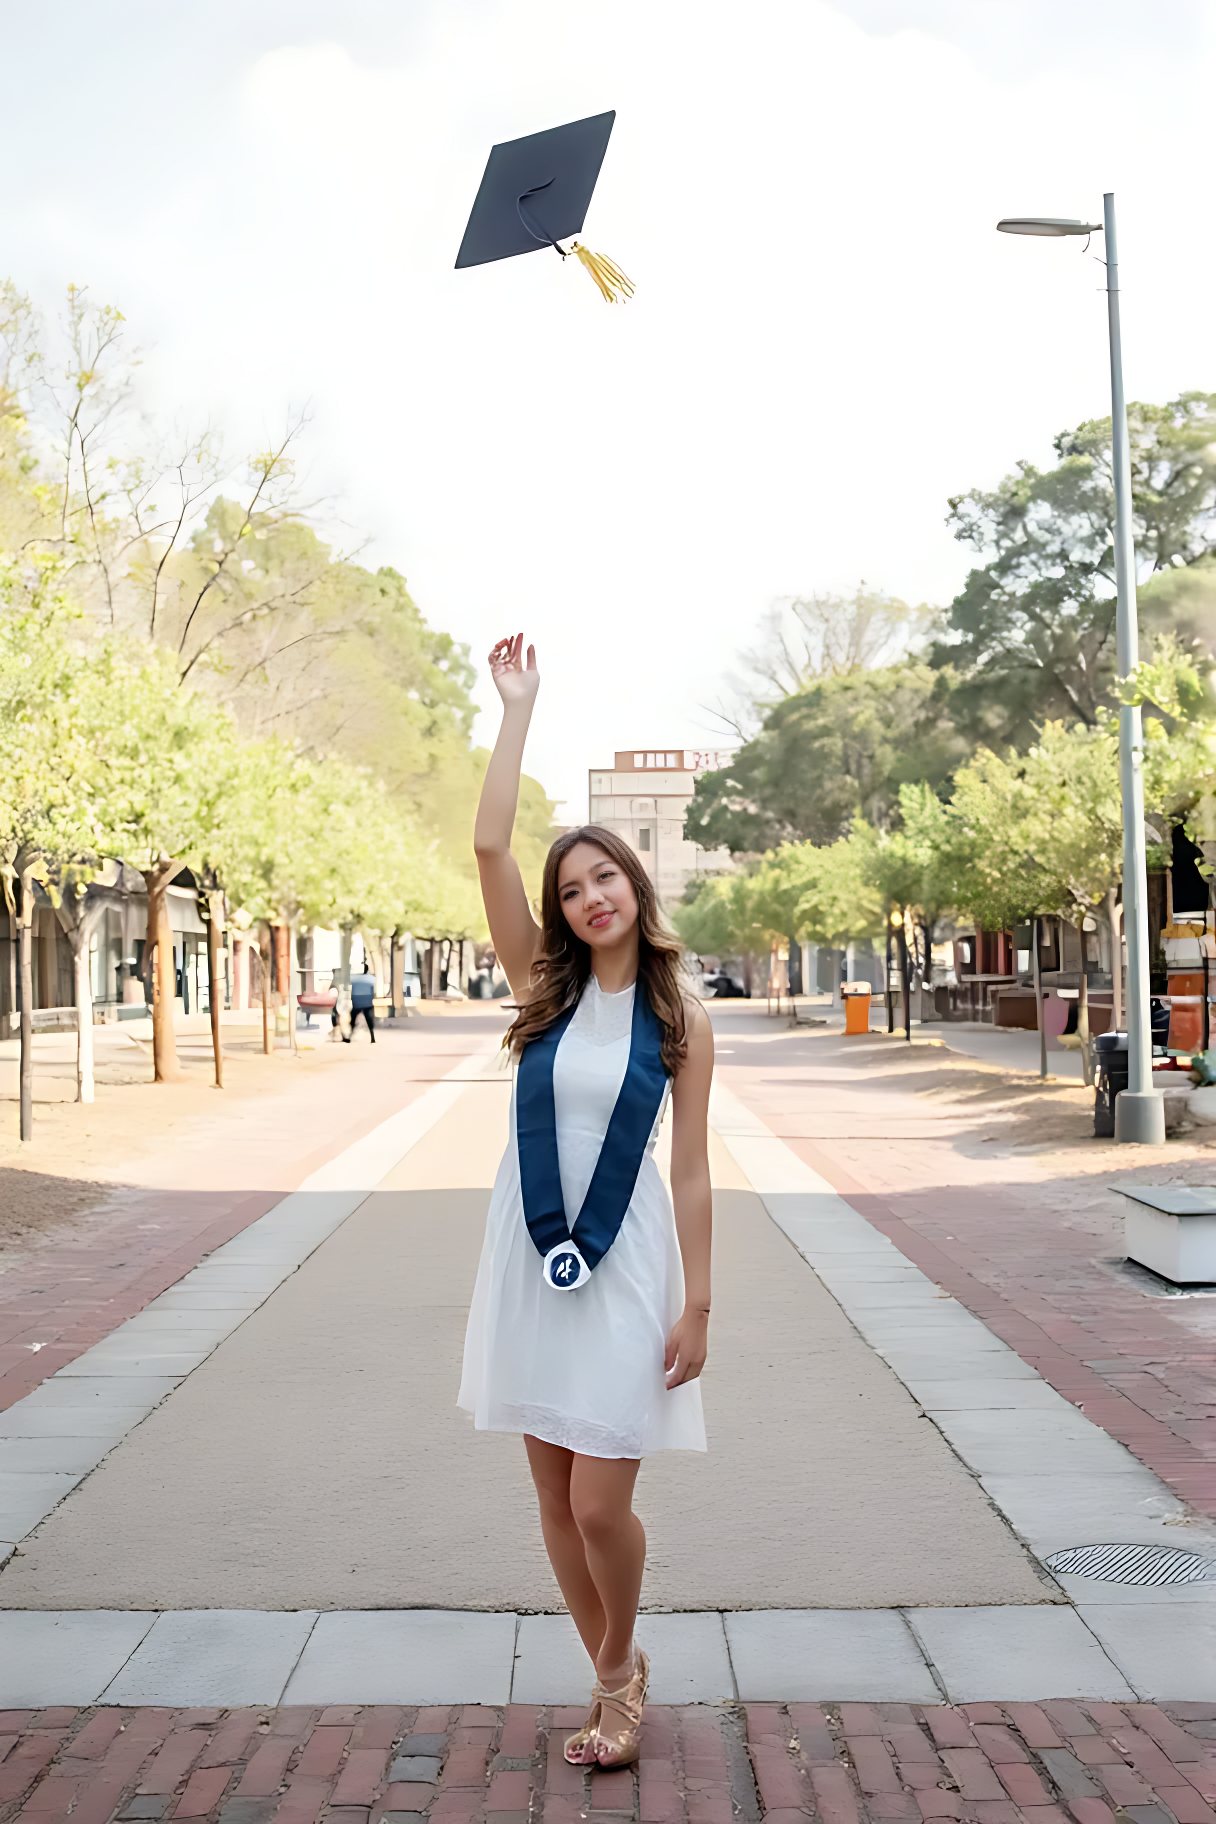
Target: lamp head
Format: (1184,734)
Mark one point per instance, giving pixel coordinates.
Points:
(1048,225)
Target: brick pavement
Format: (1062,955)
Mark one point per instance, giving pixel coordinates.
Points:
(70,1293)
(1045,1763)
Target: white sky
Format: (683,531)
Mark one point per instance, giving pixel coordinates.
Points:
(827,340)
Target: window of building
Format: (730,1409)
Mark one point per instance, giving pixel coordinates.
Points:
(639,759)
(644,839)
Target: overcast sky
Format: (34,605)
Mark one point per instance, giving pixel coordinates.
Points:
(827,340)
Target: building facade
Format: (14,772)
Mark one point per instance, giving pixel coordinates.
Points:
(644,797)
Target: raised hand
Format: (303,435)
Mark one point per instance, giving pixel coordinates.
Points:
(512,926)
(514,681)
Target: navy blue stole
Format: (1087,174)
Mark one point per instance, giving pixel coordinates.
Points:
(569,1255)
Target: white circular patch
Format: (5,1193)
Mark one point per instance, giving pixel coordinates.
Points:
(564,1268)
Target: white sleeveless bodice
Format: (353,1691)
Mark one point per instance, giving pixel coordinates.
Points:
(588,1071)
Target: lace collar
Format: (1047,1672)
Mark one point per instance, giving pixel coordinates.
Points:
(603,1019)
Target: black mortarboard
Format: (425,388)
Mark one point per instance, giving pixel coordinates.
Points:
(535,193)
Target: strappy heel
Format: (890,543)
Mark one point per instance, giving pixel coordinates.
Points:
(619,1725)
(580,1749)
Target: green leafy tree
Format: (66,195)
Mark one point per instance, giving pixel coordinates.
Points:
(1074,831)
(1040,833)
(826,756)
(45,818)
(1031,637)
(168,759)
(61,805)
(724,920)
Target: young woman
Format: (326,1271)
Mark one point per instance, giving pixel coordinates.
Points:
(588,1326)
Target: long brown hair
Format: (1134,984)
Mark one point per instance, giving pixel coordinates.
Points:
(560,971)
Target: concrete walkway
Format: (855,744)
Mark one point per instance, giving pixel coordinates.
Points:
(287,1503)
(316,1458)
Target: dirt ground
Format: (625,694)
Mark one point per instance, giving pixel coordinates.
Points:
(926,1090)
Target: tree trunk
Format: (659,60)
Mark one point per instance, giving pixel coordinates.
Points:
(27,1006)
(214,927)
(14,945)
(264,966)
(165,1067)
(80,936)
(1116,961)
(1087,1063)
(887,984)
(288,996)
(1040,1022)
(901,941)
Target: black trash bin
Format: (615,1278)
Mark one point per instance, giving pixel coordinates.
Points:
(1111,1048)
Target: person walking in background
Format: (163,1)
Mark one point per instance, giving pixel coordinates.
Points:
(590,1315)
(362,1001)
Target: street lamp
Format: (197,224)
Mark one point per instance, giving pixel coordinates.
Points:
(1139,1109)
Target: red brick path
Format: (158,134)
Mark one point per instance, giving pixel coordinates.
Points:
(1048,1763)
(68,1295)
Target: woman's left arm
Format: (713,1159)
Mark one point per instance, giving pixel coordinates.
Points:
(690,1194)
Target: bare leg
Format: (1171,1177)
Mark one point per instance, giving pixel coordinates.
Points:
(601,1502)
(551,1467)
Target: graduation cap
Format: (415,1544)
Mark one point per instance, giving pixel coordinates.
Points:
(535,193)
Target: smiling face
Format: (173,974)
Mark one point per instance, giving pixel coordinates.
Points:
(596,896)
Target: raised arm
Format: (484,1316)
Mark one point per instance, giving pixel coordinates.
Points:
(513,929)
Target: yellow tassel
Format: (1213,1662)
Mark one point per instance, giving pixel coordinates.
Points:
(613,284)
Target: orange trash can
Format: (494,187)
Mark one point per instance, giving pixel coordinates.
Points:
(856,1006)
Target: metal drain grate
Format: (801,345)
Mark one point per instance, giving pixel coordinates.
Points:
(1131,1564)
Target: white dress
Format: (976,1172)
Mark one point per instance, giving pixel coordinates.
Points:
(582,1369)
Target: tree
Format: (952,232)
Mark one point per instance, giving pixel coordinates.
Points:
(904,867)
(708,920)
(924,825)
(1074,831)
(79,919)
(823,636)
(1031,636)
(836,751)
(984,853)
(167,758)
(322,843)
(51,820)
(1181,604)
(1027,835)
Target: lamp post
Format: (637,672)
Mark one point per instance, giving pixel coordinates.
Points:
(1139,1109)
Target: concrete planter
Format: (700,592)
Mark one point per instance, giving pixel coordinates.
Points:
(1171,1229)
(1201,1105)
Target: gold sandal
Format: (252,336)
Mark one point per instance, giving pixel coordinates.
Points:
(580,1748)
(619,1724)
